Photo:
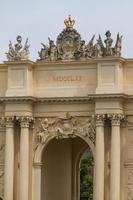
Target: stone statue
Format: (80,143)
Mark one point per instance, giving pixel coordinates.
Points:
(52,50)
(70,46)
(18,45)
(43,53)
(81,53)
(108,41)
(97,50)
(18,52)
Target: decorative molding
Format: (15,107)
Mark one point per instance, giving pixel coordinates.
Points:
(89,98)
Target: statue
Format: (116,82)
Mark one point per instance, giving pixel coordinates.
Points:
(108,43)
(81,53)
(18,45)
(18,52)
(70,46)
(52,50)
(48,53)
(99,48)
(43,54)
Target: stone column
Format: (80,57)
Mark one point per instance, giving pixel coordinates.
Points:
(24,158)
(9,159)
(115,157)
(99,159)
(37,181)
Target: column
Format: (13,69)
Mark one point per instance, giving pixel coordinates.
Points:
(24,158)
(99,159)
(37,181)
(9,159)
(115,158)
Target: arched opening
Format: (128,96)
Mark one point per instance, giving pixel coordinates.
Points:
(60,171)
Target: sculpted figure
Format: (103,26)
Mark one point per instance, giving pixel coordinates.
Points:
(18,45)
(97,50)
(82,50)
(52,50)
(18,52)
(108,43)
(43,54)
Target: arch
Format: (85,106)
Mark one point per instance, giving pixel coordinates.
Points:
(38,157)
(41,147)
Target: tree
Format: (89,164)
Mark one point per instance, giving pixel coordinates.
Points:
(86,178)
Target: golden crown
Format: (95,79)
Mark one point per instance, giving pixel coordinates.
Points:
(69,22)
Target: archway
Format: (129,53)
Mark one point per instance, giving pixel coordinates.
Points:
(60,169)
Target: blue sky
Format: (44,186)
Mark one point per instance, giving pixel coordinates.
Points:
(40,19)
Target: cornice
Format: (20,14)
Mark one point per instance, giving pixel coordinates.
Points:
(90,98)
(81,62)
(74,62)
(21,62)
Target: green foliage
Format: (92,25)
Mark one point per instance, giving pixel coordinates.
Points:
(86,178)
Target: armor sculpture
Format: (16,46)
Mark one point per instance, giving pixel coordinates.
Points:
(18,52)
(70,46)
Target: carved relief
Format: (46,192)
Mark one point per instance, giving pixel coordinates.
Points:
(67,127)
(70,46)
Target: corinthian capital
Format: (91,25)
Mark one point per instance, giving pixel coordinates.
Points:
(25,121)
(9,121)
(116,119)
(99,118)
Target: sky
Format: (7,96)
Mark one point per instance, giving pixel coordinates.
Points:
(40,19)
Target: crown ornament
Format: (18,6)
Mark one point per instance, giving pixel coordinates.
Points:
(69,22)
